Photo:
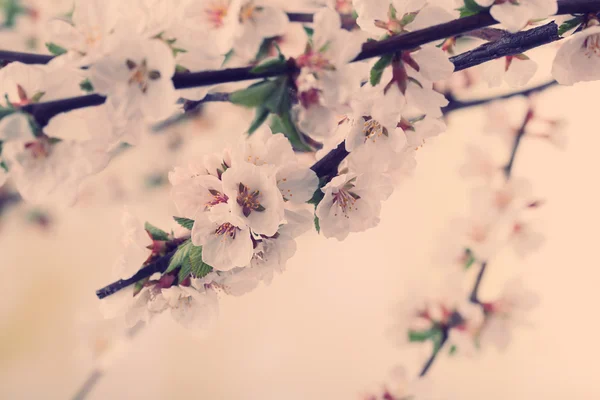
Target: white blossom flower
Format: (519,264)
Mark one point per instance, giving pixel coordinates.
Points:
(296,182)
(256,21)
(255,197)
(47,169)
(137,79)
(326,79)
(88,34)
(516,71)
(349,205)
(374,121)
(374,15)
(578,59)
(191,307)
(224,237)
(515,15)
(506,313)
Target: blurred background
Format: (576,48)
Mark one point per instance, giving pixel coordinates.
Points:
(320,330)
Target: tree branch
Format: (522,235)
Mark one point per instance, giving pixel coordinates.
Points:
(434,354)
(455,105)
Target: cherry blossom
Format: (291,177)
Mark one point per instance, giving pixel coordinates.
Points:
(89,34)
(509,311)
(515,15)
(137,79)
(224,237)
(516,71)
(578,58)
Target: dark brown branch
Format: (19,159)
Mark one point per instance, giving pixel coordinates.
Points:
(474,297)
(507,45)
(160,265)
(436,351)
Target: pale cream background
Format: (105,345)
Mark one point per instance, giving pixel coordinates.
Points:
(318,332)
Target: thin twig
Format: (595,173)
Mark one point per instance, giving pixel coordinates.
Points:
(520,133)
(435,353)
(455,105)
(474,297)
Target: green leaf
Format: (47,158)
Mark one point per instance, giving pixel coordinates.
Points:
(227,57)
(309,31)
(199,268)
(4,166)
(185,222)
(156,233)
(86,86)
(279,100)
(254,95)
(469,258)
(267,65)
(317,224)
(180,255)
(422,336)
(470,8)
(185,270)
(452,350)
(259,118)
(11,9)
(379,67)
(284,124)
(55,49)
(568,25)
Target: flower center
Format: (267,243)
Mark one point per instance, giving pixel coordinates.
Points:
(314,60)
(344,6)
(141,75)
(216,13)
(39,148)
(227,230)
(217,198)
(309,97)
(591,44)
(93,36)
(247,12)
(345,199)
(374,130)
(248,200)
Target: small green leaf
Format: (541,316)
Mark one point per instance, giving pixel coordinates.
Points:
(317,224)
(55,49)
(139,285)
(408,18)
(254,95)
(185,270)
(309,31)
(469,258)
(227,57)
(259,118)
(470,8)
(156,233)
(422,336)
(267,65)
(568,25)
(180,69)
(180,255)
(199,268)
(185,222)
(86,86)
(3,166)
(279,100)
(11,10)
(284,124)
(379,67)
(452,350)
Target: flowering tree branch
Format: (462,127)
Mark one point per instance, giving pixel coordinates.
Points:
(474,294)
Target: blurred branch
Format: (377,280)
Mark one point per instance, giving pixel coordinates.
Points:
(455,104)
